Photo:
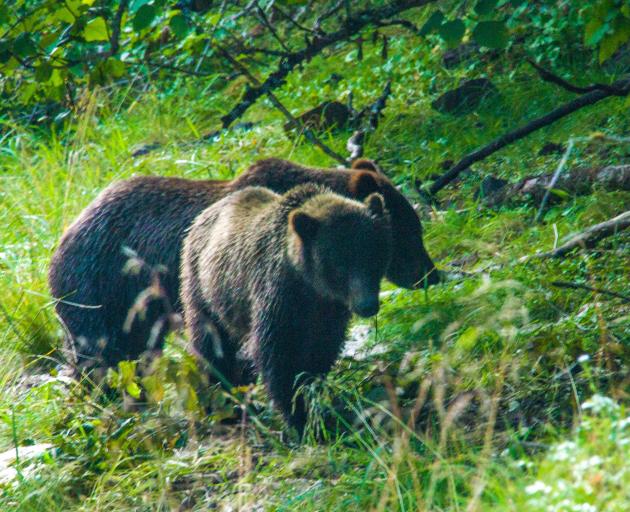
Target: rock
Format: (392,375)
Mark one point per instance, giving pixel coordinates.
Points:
(489,186)
(465,98)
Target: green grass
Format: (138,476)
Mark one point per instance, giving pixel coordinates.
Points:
(478,384)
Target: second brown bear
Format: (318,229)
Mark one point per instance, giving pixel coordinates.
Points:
(269,283)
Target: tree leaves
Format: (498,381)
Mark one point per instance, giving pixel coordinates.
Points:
(452,32)
(608,25)
(484,7)
(96,30)
(491,34)
(179,25)
(144,17)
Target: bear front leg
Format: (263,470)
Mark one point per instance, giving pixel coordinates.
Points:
(214,349)
(275,358)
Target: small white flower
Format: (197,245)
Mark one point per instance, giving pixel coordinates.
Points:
(538,487)
(600,403)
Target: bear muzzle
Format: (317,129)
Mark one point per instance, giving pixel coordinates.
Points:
(364,299)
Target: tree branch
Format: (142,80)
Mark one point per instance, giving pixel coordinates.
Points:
(350,27)
(114,40)
(619,88)
(590,236)
(579,286)
(295,123)
(357,140)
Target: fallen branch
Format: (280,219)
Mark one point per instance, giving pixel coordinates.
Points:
(578,286)
(590,236)
(356,141)
(618,88)
(350,27)
(579,181)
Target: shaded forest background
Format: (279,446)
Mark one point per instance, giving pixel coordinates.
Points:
(505,123)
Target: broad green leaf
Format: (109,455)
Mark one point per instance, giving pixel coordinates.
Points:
(43,72)
(432,24)
(135,5)
(23,46)
(144,17)
(115,67)
(452,32)
(485,6)
(491,34)
(179,25)
(133,389)
(612,42)
(64,14)
(96,30)
(594,31)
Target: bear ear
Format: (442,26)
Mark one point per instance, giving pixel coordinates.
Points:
(366,165)
(304,225)
(375,204)
(362,184)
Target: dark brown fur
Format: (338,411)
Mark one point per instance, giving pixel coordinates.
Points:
(150,216)
(269,282)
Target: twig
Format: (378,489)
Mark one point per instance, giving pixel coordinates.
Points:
(356,141)
(619,88)
(579,286)
(554,179)
(296,123)
(319,43)
(590,236)
(548,76)
(292,20)
(265,21)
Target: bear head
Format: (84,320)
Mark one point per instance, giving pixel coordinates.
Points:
(410,265)
(342,248)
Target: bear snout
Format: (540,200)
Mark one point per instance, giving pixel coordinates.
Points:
(366,307)
(364,300)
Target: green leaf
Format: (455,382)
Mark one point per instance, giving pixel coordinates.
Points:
(594,31)
(179,25)
(491,34)
(115,67)
(136,4)
(43,72)
(96,30)
(23,46)
(612,42)
(144,17)
(432,24)
(452,32)
(485,6)
(133,389)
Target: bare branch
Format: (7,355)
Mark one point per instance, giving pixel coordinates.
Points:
(351,27)
(295,123)
(356,141)
(619,88)
(579,286)
(548,76)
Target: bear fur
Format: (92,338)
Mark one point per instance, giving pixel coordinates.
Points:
(271,281)
(150,215)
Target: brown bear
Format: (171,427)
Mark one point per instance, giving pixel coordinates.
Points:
(272,280)
(150,215)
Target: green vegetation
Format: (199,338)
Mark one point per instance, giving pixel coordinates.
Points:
(497,391)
